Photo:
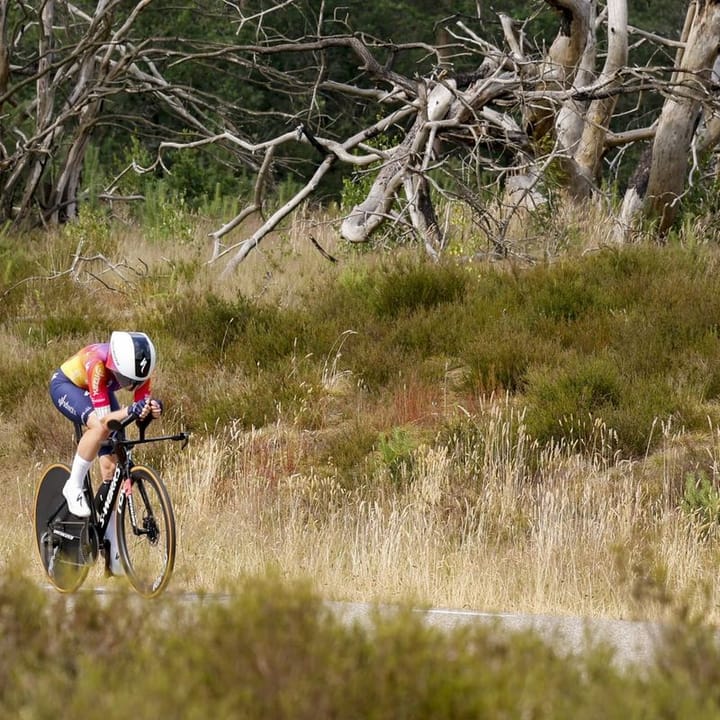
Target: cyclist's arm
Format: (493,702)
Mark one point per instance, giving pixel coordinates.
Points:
(143,395)
(97,379)
(143,392)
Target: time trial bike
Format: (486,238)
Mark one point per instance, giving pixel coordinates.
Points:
(137,505)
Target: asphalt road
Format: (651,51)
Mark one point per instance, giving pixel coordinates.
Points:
(632,642)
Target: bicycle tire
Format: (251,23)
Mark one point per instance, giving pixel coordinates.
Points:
(65,560)
(148,556)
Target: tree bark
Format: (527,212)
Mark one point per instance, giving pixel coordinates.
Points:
(559,67)
(591,146)
(365,217)
(680,116)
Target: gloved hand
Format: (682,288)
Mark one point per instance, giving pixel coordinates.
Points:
(137,408)
(156,409)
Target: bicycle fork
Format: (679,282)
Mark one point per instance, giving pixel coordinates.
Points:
(126,495)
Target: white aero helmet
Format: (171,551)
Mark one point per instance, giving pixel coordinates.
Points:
(131,358)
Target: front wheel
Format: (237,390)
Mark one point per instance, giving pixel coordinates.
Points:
(146,532)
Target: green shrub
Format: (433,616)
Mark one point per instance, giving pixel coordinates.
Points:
(344,450)
(284,392)
(166,215)
(499,358)
(701,500)
(232,332)
(410,285)
(59,308)
(17,265)
(395,451)
(560,293)
(437,330)
(90,231)
(563,401)
(648,403)
(272,649)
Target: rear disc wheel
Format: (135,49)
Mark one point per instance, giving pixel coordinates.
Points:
(63,540)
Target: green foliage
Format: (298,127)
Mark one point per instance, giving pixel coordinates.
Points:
(564,400)
(57,309)
(212,323)
(401,287)
(238,331)
(345,450)
(395,451)
(272,649)
(701,499)
(270,396)
(132,154)
(406,287)
(498,356)
(17,265)
(90,232)
(621,341)
(198,177)
(165,215)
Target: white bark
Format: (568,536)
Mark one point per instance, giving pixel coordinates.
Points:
(364,218)
(592,142)
(680,116)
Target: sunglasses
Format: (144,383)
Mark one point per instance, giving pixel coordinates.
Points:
(126,382)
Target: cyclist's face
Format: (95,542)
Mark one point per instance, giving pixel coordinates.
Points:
(125,382)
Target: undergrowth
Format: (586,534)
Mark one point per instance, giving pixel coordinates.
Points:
(464,414)
(274,650)
(628,337)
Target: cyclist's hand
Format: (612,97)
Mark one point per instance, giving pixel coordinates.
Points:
(139,409)
(156,408)
(146,410)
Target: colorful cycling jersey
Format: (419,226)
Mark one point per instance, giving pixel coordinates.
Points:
(87,370)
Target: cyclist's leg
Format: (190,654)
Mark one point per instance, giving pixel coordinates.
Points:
(107,462)
(97,432)
(69,399)
(74,402)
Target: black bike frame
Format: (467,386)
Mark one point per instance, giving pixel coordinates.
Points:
(121,448)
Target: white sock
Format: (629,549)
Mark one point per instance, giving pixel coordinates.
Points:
(80,467)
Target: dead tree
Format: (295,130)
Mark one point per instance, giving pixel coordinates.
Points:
(515,112)
(663,178)
(518,99)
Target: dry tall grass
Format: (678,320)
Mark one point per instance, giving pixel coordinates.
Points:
(469,531)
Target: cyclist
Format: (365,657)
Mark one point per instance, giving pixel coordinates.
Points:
(83,390)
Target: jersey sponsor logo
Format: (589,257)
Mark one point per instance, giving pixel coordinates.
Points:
(98,376)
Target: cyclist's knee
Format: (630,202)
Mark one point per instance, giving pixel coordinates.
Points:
(94,423)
